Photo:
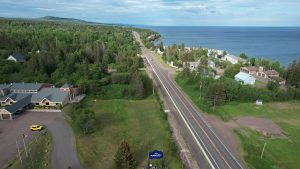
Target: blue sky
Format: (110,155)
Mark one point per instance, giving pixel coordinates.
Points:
(162,12)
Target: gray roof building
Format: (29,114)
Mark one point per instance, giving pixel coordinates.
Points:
(26,87)
(14,96)
(20,104)
(52,94)
(66,85)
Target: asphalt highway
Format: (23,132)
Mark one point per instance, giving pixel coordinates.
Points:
(215,152)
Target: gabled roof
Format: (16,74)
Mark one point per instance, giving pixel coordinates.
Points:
(20,104)
(52,94)
(19,57)
(15,96)
(271,72)
(251,68)
(26,86)
(66,85)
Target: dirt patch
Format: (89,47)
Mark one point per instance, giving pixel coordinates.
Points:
(265,126)
(282,106)
(225,131)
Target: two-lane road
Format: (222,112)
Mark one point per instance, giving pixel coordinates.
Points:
(213,149)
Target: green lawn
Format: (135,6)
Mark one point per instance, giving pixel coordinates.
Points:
(280,153)
(40,153)
(140,122)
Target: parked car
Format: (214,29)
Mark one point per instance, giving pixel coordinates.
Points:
(36,127)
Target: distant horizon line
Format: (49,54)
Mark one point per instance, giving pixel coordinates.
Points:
(147,25)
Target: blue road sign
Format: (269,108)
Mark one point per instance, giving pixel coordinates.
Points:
(156,154)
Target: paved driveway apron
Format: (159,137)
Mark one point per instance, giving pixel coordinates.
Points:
(64,152)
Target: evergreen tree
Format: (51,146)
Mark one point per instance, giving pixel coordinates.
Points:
(216,94)
(124,158)
(293,74)
(138,85)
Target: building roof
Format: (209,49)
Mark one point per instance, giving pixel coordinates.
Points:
(26,86)
(236,58)
(4,86)
(19,57)
(15,96)
(271,72)
(251,68)
(19,105)
(52,94)
(66,85)
(244,76)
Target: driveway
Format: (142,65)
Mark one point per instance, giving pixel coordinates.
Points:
(64,153)
(64,149)
(11,131)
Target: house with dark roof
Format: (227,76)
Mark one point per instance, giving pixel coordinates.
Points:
(16,103)
(17,57)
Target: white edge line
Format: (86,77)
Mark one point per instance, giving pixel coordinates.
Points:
(210,163)
(208,126)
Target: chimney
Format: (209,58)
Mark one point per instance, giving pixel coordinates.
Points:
(260,68)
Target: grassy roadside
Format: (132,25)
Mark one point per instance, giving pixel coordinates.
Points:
(140,122)
(40,151)
(160,59)
(279,153)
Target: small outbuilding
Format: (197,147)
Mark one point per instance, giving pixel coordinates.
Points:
(17,57)
(259,102)
(245,78)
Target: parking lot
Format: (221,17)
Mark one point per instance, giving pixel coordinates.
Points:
(12,130)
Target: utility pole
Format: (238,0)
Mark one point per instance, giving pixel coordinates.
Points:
(263,150)
(153,89)
(19,152)
(23,136)
(31,159)
(200,90)
(55,41)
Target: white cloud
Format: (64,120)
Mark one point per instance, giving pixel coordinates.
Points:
(214,12)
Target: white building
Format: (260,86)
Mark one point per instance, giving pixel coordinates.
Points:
(245,78)
(233,59)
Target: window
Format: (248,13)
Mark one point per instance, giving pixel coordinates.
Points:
(47,103)
(37,104)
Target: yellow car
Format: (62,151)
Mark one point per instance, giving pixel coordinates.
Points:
(36,127)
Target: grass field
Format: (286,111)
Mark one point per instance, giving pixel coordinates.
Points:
(40,158)
(279,153)
(140,122)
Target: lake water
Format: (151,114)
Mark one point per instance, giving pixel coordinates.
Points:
(274,43)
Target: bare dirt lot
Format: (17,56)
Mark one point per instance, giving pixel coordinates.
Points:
(12,130)
(261,125)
